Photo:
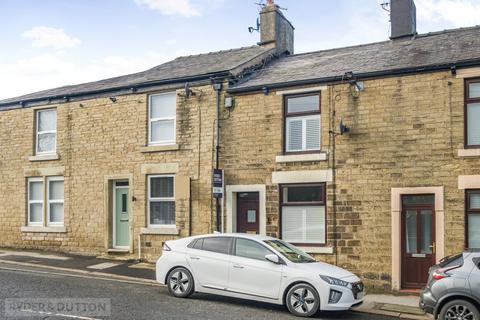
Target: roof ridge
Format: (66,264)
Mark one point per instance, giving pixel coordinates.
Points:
(421,35)
(216,52)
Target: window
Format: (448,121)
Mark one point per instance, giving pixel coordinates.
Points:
(250,249)
(217,244)
(303,213)
(472,113)
(161,118)
(302,123)
(53,208)
(35,201)
(46,135)
(473,219)
(55,201)
(161,201)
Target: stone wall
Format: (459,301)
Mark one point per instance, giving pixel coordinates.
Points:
(96,140)
(405,132)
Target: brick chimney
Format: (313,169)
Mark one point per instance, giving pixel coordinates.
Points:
(403,17)
(275,30)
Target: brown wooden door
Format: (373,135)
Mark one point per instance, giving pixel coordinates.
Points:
(418,243)
(247,212)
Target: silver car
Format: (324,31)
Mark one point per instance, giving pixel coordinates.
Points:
(453,288)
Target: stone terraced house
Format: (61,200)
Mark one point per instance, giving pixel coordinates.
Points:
(366,156)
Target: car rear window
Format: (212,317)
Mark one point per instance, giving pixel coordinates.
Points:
(451,261)
(217,244)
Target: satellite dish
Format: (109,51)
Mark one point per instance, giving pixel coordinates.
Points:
(343,128)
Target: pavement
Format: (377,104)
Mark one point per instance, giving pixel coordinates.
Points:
(375,306)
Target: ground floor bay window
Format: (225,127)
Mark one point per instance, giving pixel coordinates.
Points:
(303,215)
(473,219)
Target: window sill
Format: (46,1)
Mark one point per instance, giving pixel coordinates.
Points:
(44,157)
(301,157)
(161,230)
(168,147)
(464,153)
(324,250)
(43,229)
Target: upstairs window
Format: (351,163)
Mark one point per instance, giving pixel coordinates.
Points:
(302,123)
(46,135)
(472,113)
(473,219)
(162,118)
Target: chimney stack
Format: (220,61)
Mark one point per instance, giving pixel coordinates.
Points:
(275,30)
(403,17)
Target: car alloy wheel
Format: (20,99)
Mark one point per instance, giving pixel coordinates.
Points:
(459,310)
(302,300)
(180,282)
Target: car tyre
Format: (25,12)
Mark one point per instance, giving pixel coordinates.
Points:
(459,309)
(180,283)
(302,300)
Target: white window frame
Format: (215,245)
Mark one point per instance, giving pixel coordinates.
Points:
(37,132)
(48,201)
(304,132)
(30,180)
(151,120)
(162,199)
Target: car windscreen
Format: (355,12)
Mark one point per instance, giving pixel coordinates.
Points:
(290,252)
(452,261)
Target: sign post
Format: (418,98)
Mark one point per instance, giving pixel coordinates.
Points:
(218,187)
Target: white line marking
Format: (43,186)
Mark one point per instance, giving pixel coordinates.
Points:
(61,315)
(91,276)
(104,265)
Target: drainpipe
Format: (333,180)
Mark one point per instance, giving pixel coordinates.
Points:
(218,88)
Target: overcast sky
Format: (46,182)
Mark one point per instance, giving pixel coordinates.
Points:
(51,43)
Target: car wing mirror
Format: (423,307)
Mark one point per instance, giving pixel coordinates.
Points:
(272,258)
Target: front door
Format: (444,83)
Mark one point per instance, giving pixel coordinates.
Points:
(120,215)
(247,212)
(418,239)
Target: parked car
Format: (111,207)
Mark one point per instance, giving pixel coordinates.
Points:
(453,288)
(256,268)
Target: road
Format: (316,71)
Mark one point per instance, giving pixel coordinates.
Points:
(134,300)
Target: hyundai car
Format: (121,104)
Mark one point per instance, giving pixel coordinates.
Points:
(258,268)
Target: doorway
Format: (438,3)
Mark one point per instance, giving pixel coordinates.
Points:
(418,239)
(248,215)
(120,215)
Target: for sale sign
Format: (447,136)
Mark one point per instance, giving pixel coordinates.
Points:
(217,182)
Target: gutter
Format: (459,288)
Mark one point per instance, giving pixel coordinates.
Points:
(132,87)
(359,76)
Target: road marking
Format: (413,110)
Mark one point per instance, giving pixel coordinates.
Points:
(61,315)
(87,275)
(102,266)
(33,255)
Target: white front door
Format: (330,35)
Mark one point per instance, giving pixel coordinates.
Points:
(209,259)
(251,273)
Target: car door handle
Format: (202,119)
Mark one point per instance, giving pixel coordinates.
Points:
(238,266)
(194,258)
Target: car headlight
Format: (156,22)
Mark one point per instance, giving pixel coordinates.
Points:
(335,281)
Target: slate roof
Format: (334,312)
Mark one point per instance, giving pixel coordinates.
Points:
(430,49)
(180,68)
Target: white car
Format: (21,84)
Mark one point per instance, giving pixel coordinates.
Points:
(256,268)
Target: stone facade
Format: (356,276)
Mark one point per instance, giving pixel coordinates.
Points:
(99,141)
(404,132)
